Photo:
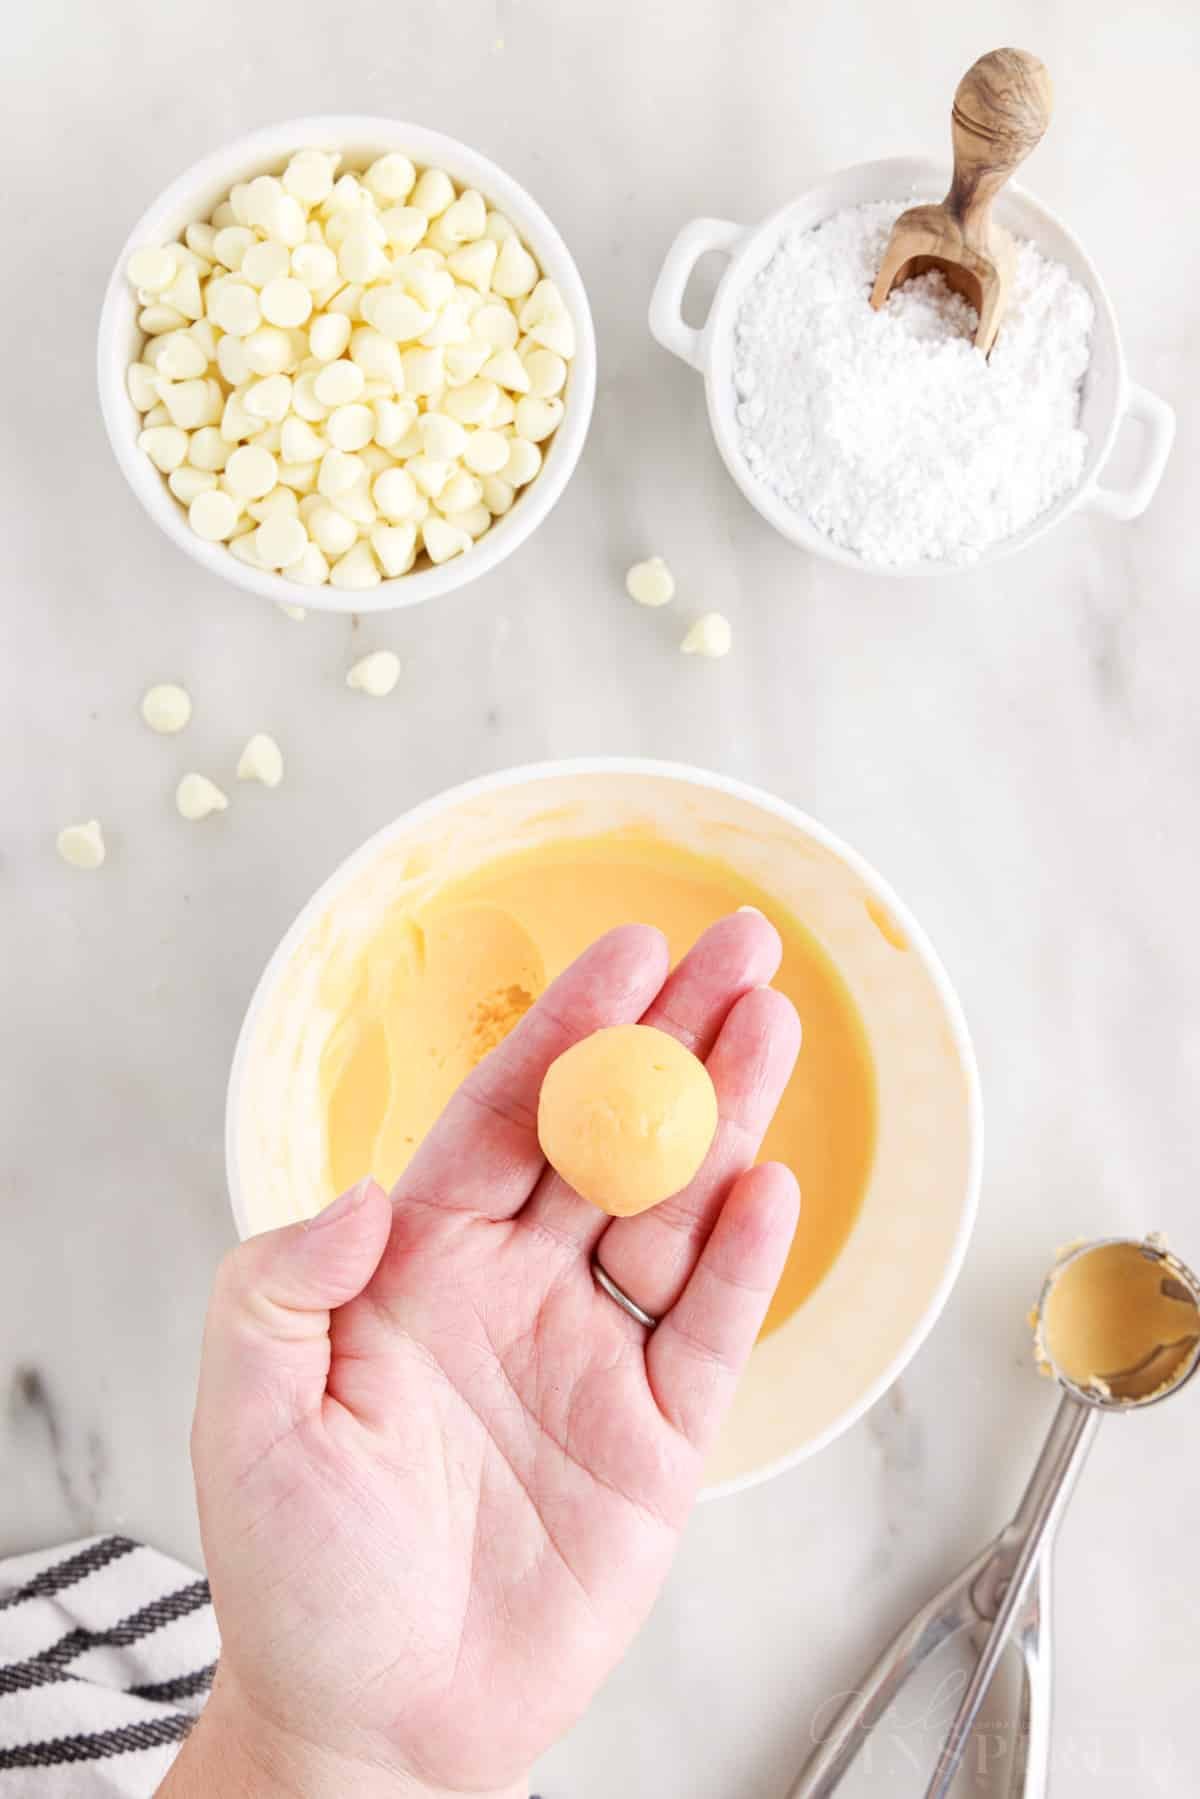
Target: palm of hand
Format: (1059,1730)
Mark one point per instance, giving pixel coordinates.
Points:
(475,1518)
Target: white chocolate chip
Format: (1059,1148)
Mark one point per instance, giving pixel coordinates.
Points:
(165,445)
(442,437)
(250,472)
(339,382)
(299,443)
(231,244)
(395,494)
(151,269)
(309,176)
(268,351)
(180,356)
(524,461)
(166,708)
(498,495)
(433,193)
(650,583)
(547,373)
(537,419)
(375,674)
(442,539)
(339,472)
(315,265)
(328,335)
(213,515)
(82,846)
(506,369)
(331,530)
(279,540)
(270,398)
(496,326)
(711,635)
(261,760)
(235,309)
(391,177)
(475,263)
(286,302)
(395,546)
(356,570)
(207,449)
(186,482)
(297,614)
(265,262)
(486,452)
(515,272)
(196,797)
(350,427)
(143,388)
(461,493)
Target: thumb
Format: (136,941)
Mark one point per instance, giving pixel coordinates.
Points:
(266,1340)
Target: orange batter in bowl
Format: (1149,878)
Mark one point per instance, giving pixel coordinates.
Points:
(438,984)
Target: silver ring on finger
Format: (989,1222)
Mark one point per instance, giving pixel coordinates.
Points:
(605,1281)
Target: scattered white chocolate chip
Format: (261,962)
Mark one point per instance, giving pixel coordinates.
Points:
(375,674)
(650,583)
(196,796)
(166,708)
(322,330)
(261,760)
(711,635)
(82,845)
(296,613)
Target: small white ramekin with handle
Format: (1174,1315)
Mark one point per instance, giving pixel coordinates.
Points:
(192,196)
(1109,397)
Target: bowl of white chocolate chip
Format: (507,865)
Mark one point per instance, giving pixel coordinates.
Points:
(350,356)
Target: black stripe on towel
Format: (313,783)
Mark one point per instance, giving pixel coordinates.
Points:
(47,1666)
(65,1574)
(166,1692)
(150,1735)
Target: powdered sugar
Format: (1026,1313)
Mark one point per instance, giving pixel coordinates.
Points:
(894,435)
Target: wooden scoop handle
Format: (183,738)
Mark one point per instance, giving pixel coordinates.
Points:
(1001,109)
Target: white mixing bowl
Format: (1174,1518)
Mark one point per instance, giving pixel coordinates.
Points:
(193,196)
(815,1375)
(1109,397)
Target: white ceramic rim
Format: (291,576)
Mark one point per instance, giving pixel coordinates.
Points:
(920,172)
(256,151)
(639,767)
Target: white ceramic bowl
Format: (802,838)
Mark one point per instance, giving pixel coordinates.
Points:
(193,196)
(818,1373)
(1109,396)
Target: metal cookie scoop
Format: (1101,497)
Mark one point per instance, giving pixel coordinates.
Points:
(1001,110)
(1117,1294)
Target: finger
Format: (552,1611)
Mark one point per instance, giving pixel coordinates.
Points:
(651,1257)
(266,1340)
(482,1155)
(695,1357)
(731,958)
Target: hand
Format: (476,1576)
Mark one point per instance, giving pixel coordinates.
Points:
(442,1475)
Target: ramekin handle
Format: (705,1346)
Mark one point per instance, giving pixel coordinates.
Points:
(1157,421)
(666,302)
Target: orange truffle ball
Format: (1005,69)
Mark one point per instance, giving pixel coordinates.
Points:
(627,1116)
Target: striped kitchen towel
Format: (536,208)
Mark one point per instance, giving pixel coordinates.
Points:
(107,1652)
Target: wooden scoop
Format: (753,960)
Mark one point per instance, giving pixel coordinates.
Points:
(1001,110)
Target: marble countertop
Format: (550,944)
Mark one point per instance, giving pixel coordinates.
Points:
(1017,750)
